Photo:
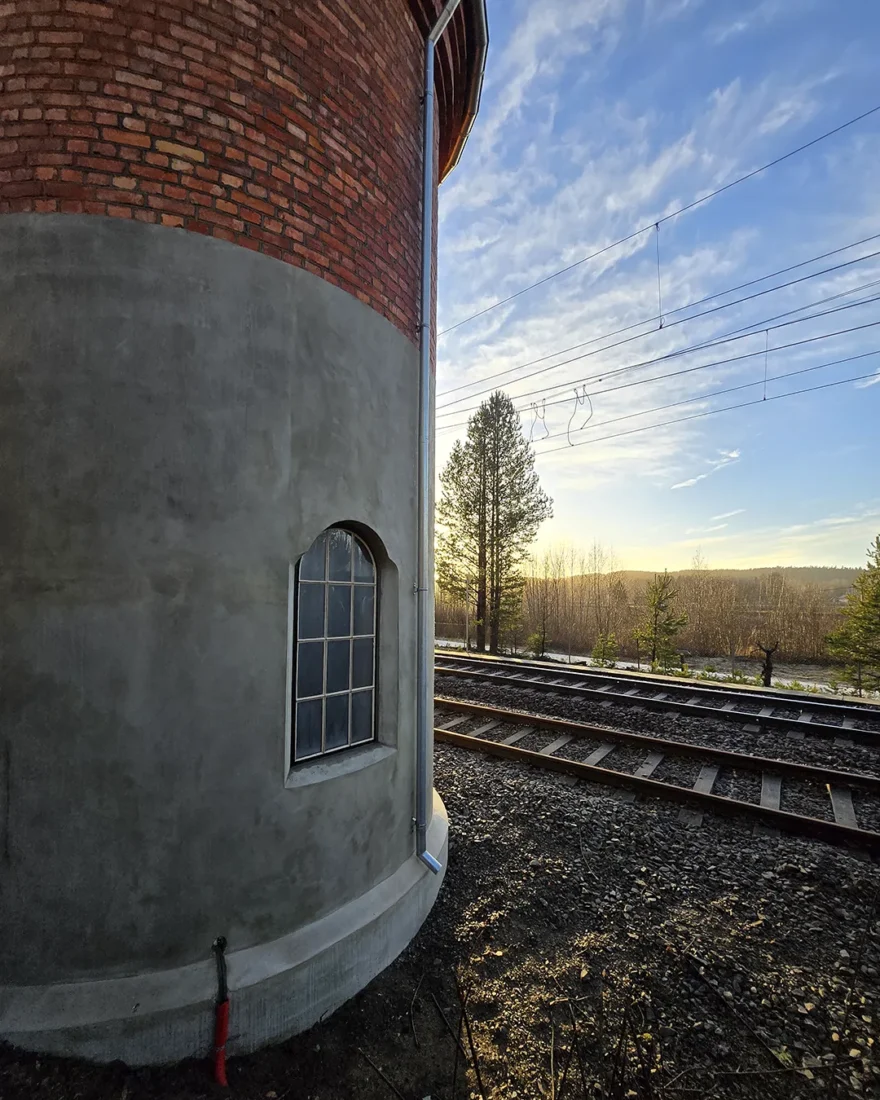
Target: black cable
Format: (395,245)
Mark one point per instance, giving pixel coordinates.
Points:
(669,313)
(724,362)
(641,335)
(735,358)
(712,412)
(665,218)
(717,393)
(754,327)
(685,351)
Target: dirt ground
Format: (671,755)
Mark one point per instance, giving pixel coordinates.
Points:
(602,949)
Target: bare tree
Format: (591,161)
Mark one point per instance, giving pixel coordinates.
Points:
(767,664)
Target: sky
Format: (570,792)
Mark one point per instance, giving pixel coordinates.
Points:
(598,119)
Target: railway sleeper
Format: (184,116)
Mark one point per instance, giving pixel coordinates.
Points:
(693,706)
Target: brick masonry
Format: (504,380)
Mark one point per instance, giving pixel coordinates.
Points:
(291,127)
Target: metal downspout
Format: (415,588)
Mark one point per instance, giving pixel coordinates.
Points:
(425,625)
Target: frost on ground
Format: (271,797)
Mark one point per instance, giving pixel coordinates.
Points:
(602,948)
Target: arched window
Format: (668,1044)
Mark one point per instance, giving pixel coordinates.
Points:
(334,646)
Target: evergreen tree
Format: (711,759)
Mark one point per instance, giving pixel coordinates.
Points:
(490,510)
(857,641)
(661,625)
(605,650)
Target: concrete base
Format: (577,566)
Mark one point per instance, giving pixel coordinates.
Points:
(276,989)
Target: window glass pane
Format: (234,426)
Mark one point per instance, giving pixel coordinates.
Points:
(311,564)
(363,609)
(311,610)
(362,662)
(308,728)
(363,567)
(334,677)
(336,733)
(337,666)
(339,610)
(361,716)
(310,669)
(340,556)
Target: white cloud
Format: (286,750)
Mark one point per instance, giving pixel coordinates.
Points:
(758,18)
(729,515)
(840,539)
(549,34)
(872,381)
(663,11)
(715,464)
(729,30)
(565,161)
(707,530)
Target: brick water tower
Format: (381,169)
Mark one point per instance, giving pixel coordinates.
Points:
(215,488)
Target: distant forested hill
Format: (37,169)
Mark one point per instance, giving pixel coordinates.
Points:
(833,579)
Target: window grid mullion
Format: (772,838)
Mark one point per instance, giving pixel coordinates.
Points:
(349,693)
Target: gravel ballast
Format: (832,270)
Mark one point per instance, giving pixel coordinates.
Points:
(651,959)
(711,732)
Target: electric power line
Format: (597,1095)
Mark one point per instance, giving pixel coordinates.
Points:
(716,393)
(685,351)
(753,328)
(713,412)
(641,335)
(666,218)
(732,359)
(669,313)
(724,362)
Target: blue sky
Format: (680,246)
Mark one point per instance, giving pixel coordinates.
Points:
(600,117)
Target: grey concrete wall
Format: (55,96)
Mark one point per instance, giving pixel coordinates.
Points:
(179,418)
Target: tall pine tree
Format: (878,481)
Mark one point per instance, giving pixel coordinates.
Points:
(857,641)
(490,510)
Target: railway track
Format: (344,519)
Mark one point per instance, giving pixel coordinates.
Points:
(796,714)
(497,731)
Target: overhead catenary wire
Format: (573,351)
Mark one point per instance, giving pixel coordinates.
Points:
(725,362)
(686,351)
(711,412)
(736,358)
(641,335)
(716,393)
(755,327)
(666,217)
(669,313)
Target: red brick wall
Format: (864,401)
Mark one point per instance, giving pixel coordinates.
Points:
(291,127)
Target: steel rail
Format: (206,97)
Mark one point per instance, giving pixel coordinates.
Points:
(745,761)
(798,824)
(863,709)
(682,706)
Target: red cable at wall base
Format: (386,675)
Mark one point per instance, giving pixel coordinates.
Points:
(221,1034)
